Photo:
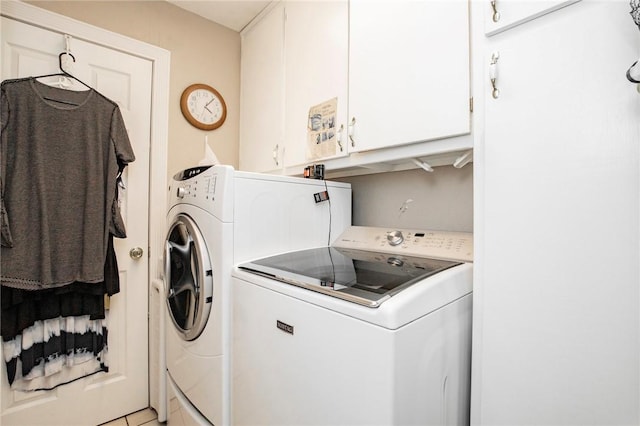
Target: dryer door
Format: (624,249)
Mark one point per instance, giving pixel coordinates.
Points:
(189,277)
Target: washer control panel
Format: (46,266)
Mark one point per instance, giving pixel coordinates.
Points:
(205,187)
(410,242)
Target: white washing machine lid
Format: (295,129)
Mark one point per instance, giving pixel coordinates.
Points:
(362,277)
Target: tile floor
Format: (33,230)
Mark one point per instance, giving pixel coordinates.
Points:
(146,417)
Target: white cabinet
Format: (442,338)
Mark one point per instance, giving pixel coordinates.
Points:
(399,70)
(262,93)
(316,70)
(501,15)
(557,196)
(408,71)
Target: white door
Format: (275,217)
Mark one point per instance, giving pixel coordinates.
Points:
(316,70)
(408,72)
(556,280)
(261,106)
(126,79)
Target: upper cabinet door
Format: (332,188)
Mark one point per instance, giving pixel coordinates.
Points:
(316,70)
(408,71)
(262,93)
(501,15)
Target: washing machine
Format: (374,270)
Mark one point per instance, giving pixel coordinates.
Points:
(374,329)
(217,217)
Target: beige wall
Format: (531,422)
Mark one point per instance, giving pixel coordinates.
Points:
(201,52)
(442,199)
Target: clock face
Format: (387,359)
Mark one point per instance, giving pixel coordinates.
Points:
(203,106)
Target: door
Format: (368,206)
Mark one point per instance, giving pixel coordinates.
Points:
(556,297)
(125,79)
(408,72)
(189,278)
(262,82)
(316,70)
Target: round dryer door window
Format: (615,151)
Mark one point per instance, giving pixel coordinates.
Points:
(189,278)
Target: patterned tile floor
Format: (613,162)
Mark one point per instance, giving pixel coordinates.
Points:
(146,417)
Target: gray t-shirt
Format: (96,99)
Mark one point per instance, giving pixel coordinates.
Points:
(60,156)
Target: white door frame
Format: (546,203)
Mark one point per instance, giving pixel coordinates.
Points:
(159,111)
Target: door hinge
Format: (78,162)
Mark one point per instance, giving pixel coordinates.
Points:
(471,104)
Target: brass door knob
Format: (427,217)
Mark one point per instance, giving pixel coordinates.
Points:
(136,253)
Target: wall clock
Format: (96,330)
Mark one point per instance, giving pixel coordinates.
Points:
(203,106)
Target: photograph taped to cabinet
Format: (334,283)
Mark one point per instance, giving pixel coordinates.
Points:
(321,132)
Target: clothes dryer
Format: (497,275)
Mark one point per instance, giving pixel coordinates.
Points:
(374,329)
(217,217)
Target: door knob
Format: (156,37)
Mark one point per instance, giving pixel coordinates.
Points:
(136,253)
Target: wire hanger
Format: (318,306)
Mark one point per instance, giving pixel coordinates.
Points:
(64,73)
(633,73)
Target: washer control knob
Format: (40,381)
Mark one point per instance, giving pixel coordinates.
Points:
(395,238)
(394,261)
(181,192)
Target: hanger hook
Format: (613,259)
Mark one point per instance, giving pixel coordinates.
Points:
(67,42)
(60,59)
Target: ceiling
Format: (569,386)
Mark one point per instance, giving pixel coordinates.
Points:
(234,14)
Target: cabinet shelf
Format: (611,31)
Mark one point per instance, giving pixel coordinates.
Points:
(436,153)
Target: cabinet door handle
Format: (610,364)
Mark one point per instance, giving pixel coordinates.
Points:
(340,131)
(496,14)
(275,154)
(352,125)
(493,74)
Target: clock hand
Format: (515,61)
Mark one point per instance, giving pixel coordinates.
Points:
(205,107)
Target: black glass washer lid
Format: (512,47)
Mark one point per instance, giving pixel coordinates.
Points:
(358,276)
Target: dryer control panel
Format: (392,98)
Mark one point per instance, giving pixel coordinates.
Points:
(456,246)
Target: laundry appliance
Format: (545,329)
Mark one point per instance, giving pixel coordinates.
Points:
(217,217)
(374,329)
